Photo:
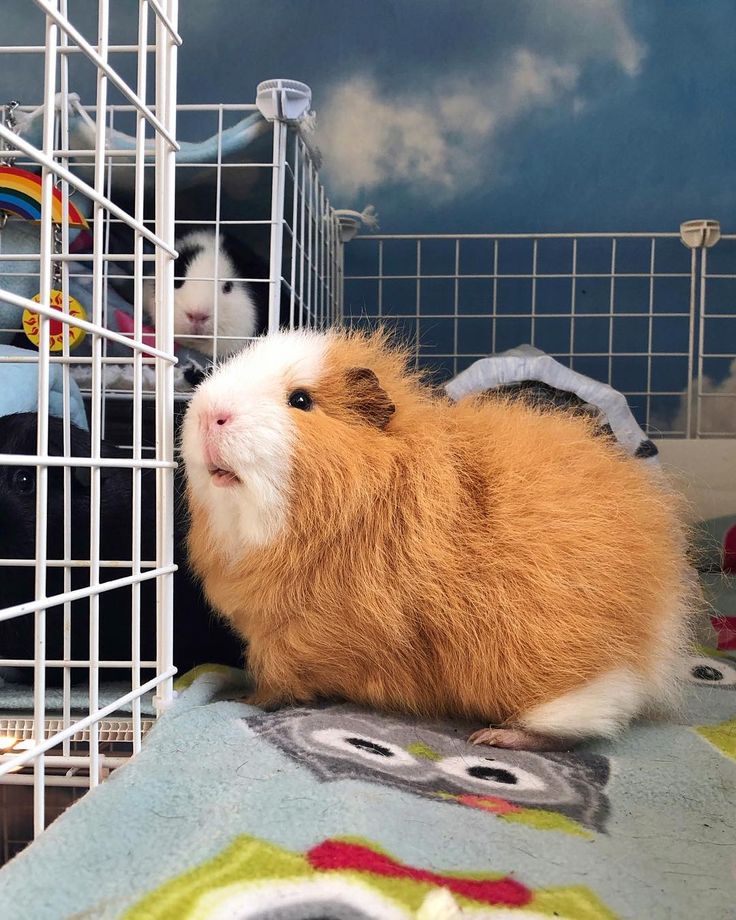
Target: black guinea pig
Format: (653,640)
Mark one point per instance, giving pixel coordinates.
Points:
(199,636)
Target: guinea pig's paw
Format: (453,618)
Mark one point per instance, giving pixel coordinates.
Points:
(518,739)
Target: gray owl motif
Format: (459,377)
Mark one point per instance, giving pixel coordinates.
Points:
(435,761)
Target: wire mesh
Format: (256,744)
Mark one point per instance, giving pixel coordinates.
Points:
(86,606)
(60,561)
(639,311)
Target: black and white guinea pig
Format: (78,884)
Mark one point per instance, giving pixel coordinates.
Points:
(199,636)
(210,298)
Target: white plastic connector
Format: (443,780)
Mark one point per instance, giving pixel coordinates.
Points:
(351,221)
(285,100)
(699,234)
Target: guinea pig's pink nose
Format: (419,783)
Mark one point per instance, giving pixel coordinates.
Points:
(214,417)
(196,316)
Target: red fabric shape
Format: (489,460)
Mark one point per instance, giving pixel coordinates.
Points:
(337,854)
(729,551)
(725,628)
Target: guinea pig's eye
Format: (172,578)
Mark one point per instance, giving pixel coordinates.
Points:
(24,481)
(300,399)
(178,282)
(227,287)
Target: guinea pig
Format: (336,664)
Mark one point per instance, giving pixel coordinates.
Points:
(241,309)
(197,638)
(487,560)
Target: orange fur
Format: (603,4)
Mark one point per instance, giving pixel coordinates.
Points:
(470,560)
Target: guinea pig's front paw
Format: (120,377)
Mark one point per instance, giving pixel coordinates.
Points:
(518,739)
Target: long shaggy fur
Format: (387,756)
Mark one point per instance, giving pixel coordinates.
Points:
(474,560)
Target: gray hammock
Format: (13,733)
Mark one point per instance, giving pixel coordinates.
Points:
(527,371)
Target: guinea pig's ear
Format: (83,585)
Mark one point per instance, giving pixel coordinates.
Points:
(368,398)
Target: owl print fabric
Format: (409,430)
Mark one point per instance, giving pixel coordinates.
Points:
(337,813)
(434,761)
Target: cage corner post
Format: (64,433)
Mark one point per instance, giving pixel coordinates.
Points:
(278,183)
(42,432)
(167,42)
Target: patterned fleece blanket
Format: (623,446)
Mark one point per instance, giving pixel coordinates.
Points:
(335,812)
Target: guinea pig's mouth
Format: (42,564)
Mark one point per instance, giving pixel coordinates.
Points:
(221,477)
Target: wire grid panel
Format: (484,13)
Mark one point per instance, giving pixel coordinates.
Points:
(276,205)
(68,557)
(265,195)
(252,187)
(312,249)
(620,308)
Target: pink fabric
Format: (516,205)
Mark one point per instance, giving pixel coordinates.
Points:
(126,326)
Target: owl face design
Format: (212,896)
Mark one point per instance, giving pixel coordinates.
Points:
(433,760)
(711,672)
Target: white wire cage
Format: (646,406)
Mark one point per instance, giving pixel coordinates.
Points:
(251,181)
(43,189)
(651,314)
(118,187)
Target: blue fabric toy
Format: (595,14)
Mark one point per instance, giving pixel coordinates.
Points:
(19,388)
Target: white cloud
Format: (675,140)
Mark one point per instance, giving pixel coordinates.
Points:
(440,137)
(627,51)
(447,135)
(716,412)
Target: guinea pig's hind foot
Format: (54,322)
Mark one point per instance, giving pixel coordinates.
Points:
(598,708)
(519,739)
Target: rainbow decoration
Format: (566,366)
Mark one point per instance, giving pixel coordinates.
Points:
(20,194)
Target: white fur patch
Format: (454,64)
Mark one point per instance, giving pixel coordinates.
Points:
(229,314)
(256,444)
(600,708)
(231,317)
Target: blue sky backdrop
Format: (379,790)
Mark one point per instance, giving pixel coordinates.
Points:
(477,115)
(491,116)
(498,114)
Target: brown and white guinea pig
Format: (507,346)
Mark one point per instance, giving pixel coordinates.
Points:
(487,560)
(241,309)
